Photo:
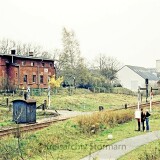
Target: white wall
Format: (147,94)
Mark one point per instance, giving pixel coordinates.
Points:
(158,66)
(129,79)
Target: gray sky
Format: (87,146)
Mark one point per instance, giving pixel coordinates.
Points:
(126,29)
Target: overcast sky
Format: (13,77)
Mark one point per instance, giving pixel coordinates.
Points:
(126,29)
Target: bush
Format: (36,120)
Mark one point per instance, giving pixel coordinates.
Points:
(108,119)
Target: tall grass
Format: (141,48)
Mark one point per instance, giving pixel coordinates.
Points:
(103,120)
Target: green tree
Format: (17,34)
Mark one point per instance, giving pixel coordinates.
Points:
(71,65)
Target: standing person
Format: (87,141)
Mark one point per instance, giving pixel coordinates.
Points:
(147,119)
(139,124)
(143,117)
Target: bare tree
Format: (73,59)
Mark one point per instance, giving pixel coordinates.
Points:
(107,66)
(6,45)
(22,48)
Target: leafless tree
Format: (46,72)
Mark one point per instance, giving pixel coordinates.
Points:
(107,66)
(6,45)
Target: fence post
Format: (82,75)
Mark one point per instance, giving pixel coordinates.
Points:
(7,102)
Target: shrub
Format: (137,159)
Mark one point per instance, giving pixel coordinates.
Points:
(106,119)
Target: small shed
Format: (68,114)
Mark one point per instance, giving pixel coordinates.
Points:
(24,111)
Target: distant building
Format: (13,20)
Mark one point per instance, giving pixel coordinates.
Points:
(21,71)
(132,76)
(158,68)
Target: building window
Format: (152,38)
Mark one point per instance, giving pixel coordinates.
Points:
(43,64)
(23,63)
(16,75)
(32,63)
(51,65)
(34,78)
(25,78)
(41,79)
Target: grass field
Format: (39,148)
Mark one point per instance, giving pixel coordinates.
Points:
(81,100)
(68,141)
(72,140)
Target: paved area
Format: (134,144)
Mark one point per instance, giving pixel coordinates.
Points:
(120,148)
(63,114)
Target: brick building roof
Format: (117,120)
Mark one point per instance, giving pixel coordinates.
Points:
(27,57)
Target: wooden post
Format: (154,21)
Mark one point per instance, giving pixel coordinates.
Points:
(10,106)
(151,97)
(7,102)
(44,105)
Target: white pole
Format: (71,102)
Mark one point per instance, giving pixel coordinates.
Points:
(150,102)
(138,97)
(138,104)
(28,92)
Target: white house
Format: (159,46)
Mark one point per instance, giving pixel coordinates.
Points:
(132,76)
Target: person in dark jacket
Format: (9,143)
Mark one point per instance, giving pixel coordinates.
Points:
(143,117)
(147,119)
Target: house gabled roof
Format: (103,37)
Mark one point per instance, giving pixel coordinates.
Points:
(144,72)
(26,57)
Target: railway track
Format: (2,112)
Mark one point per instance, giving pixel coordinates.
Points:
(141,105)
(27,128)
(37,126)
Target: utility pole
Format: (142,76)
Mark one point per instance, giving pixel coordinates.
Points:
(151,97)
(28,92)
(139,96)
(74,81)
(146,82)
(146,89)
(151,94)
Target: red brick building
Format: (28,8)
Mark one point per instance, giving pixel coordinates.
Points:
(21,71)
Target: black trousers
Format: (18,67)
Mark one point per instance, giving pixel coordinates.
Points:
(143,127)
(139,125)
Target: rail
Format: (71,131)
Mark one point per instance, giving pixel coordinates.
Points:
(135,106)
(29,127)
(37,126)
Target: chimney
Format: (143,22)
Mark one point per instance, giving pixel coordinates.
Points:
(31,54)
(13,51)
